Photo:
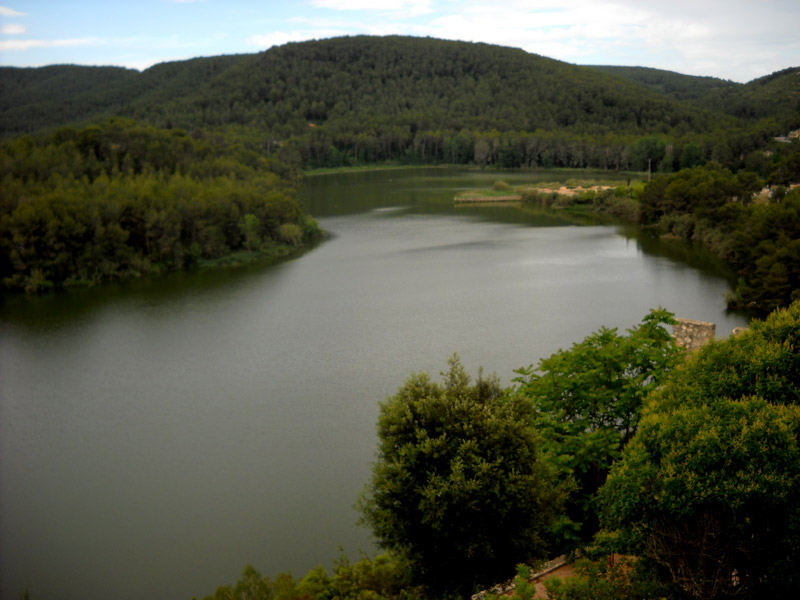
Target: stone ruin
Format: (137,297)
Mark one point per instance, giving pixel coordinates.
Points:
(692,335)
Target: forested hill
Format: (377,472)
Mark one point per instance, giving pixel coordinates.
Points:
(368,99)
(370,84)
(363,83)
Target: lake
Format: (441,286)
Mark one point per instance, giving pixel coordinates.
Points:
(157,436)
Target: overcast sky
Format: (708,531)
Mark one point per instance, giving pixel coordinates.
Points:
(732,39)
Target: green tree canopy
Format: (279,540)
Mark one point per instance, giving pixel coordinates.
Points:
(460,487)
(120,199)
(709,488)
(587,401)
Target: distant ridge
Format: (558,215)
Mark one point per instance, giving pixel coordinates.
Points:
(670,83)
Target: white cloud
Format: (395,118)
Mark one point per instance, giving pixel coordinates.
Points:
(279,38)
(736,39)
(411,7)
(28,44)
(693,37)
(731,39)
(12,29)
(10,12)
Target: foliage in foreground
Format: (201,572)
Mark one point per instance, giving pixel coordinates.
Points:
(615,578)
(709,488)
(587,401)
(460,488)
(381,578)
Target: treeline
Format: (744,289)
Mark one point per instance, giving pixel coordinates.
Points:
(335,146)
(119,200)
(758,234)
(677,475)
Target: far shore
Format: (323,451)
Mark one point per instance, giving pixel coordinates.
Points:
(469,167)
(482,196)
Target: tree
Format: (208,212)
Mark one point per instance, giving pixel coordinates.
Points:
(250,586)
(709,488)
(691,155)
(249,226)
(460,488)
(647,152)
(587,401)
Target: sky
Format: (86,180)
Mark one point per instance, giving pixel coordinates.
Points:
(738,40)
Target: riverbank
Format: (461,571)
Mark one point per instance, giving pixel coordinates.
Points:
(493,196)
(269,254)
(372,167)
(394,166)
(616,198)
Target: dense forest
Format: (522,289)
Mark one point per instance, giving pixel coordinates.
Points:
(758,234)
(120,200)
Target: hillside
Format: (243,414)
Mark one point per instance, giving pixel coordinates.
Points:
(425,84)
(32,99)
(773,96)
(35,99)
(669,83)
(411,82)
(369,99)
(776,95)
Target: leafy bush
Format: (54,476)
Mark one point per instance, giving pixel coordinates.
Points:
(587,403)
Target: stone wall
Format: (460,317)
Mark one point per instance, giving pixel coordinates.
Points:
(691,335)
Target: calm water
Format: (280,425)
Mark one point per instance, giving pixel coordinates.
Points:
(157,436)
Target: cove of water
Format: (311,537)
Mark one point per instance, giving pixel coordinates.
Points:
(158,435)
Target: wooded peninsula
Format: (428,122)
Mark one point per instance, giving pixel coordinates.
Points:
(685,466)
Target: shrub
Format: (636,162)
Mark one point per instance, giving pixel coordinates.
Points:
(290,233)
